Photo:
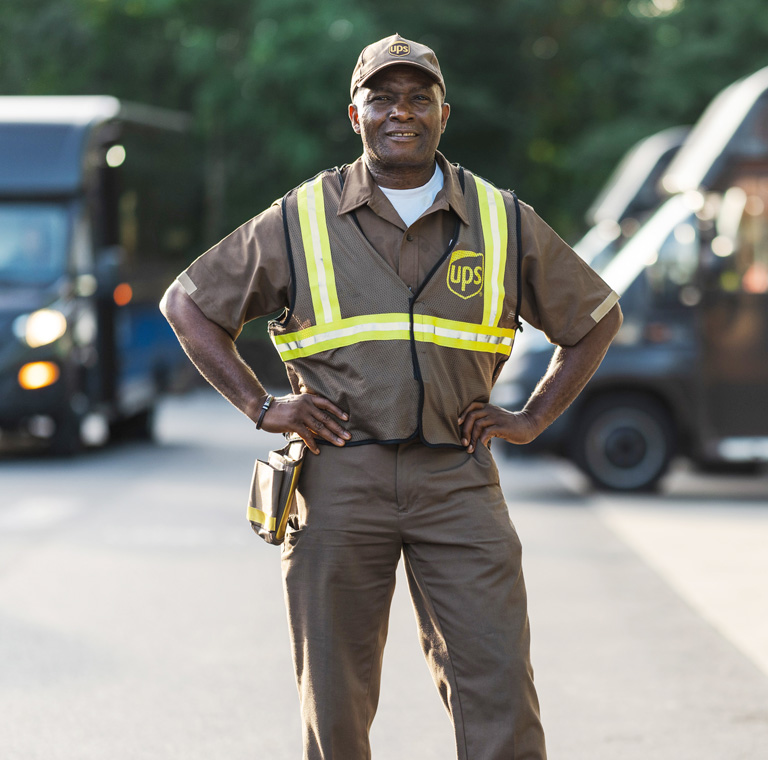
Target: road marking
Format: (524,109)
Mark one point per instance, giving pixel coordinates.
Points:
(37,513)
(714,556)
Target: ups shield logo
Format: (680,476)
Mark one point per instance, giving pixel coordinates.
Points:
(465,274)
(399,48)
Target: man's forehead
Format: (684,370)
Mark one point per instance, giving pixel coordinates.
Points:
(399,75)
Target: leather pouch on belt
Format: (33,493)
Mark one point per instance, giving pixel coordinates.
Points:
(273,491)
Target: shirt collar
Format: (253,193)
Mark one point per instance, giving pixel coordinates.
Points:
(360,189)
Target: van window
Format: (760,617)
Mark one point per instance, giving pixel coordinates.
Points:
(746,270)
(158,202)
(676,263)
(33,243)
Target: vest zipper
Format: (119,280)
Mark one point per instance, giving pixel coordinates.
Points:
(411,305)
(414,357)
(454,239)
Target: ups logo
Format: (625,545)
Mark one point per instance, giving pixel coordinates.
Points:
(399,48)
(465,273)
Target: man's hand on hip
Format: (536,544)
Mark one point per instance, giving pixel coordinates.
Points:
(481,422)
(308,416)
(568,372)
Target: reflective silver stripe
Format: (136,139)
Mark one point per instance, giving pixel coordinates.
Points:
(605,306)
(391,327)
(186,283)
(463,335)
(493,213)
(317,247)
(342,333)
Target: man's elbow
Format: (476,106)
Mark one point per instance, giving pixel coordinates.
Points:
(615,319)
(603,333)
(171,302)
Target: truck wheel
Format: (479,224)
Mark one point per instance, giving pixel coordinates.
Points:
(624,442)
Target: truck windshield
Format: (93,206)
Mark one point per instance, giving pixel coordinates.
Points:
(669,237)
(33,243)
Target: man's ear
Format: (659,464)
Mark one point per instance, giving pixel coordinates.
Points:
(354,117)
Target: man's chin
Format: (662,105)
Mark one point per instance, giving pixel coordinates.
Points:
(404,159)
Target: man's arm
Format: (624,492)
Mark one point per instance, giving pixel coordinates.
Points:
(567,374)
(213,352)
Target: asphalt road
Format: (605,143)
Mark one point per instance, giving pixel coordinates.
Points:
(141,618)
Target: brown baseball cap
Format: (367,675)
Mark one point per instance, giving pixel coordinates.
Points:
(392,51)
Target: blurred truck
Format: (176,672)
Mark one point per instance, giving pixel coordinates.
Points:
(629,197)
(100,206)
(631,194)
(688,371)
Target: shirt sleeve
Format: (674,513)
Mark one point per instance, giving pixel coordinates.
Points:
(561,295)
(245,276)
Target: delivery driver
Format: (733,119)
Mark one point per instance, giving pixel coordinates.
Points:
(402,278)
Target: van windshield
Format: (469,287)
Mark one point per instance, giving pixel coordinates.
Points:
(658,237)
(33,243)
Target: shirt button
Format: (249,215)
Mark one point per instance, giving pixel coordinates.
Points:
(409,238)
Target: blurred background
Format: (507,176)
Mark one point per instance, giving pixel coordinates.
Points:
(138,616)
(547,94)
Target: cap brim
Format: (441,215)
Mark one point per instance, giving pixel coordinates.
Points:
(387,64)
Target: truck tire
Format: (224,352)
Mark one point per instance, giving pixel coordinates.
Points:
(623,442)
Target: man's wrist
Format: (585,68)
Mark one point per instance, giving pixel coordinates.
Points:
(535,424)
(264,409)
(252,408)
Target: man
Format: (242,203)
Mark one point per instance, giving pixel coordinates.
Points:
(402,278)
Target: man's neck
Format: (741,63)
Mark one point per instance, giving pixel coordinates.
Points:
(400,177)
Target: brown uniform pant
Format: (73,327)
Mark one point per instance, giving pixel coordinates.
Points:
(359,508)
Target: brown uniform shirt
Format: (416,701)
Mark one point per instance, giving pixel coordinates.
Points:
(247,274)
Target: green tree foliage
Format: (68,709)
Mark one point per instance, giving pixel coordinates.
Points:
(546,94)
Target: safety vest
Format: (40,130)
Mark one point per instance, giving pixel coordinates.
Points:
(403,364)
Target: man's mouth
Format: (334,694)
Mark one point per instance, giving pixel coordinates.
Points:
(402,134)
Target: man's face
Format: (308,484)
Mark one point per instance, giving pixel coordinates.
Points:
(400,115)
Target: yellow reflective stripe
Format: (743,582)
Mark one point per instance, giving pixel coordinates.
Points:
(467,345)
(493,219)
(300,335)
(328,343)
(317,251)
(500,270)
(469,327)
(309,254)
(346,332)
(261,518)
(280,532)
(465,335)
(390,320)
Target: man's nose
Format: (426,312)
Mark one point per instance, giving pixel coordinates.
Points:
(400,110)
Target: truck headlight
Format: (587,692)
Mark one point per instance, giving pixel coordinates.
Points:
(37,375)
(40,327)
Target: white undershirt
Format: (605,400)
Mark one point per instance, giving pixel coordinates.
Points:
(410,204)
